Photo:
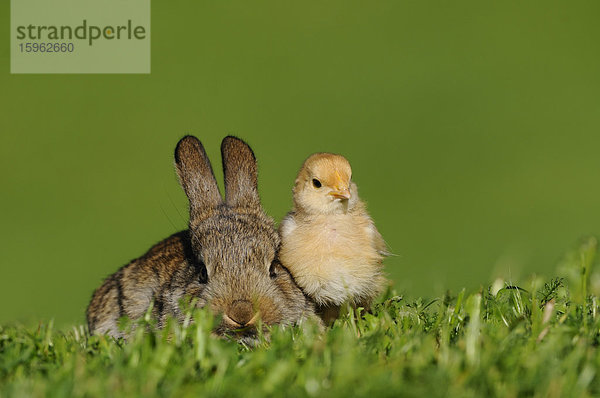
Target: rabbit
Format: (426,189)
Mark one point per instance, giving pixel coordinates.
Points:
(226,259)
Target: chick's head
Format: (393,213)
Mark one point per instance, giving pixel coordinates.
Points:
(324,185)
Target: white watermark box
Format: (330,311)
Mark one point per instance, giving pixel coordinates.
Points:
(80,36)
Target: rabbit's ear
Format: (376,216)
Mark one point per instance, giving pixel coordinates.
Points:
(196,176)
(241,176)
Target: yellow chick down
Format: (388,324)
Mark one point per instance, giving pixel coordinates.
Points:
(329,242)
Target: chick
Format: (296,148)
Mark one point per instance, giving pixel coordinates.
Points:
(329,243)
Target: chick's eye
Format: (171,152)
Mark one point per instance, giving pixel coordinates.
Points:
(316,183)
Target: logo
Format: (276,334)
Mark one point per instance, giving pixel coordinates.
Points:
(80,36)
(82,32)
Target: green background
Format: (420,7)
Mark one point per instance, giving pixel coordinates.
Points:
(472,128)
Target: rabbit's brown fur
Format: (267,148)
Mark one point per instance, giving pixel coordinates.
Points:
(226,259)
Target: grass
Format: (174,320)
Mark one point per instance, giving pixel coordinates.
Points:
(539,338)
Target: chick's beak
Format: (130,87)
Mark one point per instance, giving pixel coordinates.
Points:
(341,193)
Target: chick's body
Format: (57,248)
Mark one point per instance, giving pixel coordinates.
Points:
(329,242)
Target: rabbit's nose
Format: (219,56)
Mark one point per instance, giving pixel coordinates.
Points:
(241,312)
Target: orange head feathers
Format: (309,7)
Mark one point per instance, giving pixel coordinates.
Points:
(324,185)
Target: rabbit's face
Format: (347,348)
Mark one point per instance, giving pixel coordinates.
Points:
(245,282)
(236,242)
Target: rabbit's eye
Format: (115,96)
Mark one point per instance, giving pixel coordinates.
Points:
(273,270)
(203,277)
(316,183)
